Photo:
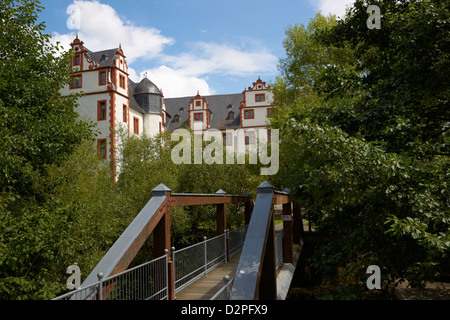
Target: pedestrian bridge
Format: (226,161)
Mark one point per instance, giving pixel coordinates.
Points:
(255,261)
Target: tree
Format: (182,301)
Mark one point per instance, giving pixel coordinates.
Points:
(37,125)
(367,120)
(145,163)
(39,129)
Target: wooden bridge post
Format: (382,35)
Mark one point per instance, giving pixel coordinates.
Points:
(221,215)
(268,280)
(248,209)
(288,249)
(161,235)
(297,223)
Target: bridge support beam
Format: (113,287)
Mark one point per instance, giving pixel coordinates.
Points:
(248,210)
(288,249)
(268,280)
(297,223)
(161,235)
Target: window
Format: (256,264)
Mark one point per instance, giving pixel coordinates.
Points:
(230,115)
(76,81)
(227,139)
(176,118)
(122,81)
(125,113)
(101,110)
(249,114)
(249,137)
(198,103)
(101,78)
(101,148)
(198,117)
(136,125)
(270,112)
(77,60)
(260,97)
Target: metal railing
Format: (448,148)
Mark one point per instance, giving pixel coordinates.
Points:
(236,240)
(148,281)
(194,262)
(224,292)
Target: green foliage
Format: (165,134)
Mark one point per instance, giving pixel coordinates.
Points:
(76,224)
(145,163)
(366,113)
(38,130)
(37,125)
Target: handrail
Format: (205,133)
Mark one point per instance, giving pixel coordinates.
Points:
(155,218)
(255,276)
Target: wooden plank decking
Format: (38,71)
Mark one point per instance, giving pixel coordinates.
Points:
(208,286)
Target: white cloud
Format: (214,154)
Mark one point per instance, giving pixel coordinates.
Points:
(336,7)
(225,59)
(177,83)
(100,27)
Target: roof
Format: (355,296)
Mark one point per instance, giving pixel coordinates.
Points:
(219,106)
(132,100)
(105,58)
(146,86)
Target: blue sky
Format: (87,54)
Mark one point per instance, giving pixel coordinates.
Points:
(214,46)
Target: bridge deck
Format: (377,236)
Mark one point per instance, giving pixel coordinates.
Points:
(206,287)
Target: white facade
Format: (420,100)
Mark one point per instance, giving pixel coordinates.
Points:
(112,101)
(102,78)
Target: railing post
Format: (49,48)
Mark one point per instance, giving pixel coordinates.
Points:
(206,256)
(227,245)
(288,249)
(100,286)
(171,275)
(166,253)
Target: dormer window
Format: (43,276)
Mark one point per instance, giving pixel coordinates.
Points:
(176,118)
(260,97)
(230,106)
(198,117)
(181,109)
(230,115)
(77,60)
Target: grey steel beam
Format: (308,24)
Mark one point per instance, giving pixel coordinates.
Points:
(122,252)
(248,272)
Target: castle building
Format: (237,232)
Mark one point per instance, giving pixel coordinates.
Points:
(113,101)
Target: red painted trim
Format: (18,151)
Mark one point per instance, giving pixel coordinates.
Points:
(253,114)
(112,134)
(136,125)
(200,113)
(259,95)
(100,78)
(99,143)
(99,103)
(122,81)
(80,80)
(125,113)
